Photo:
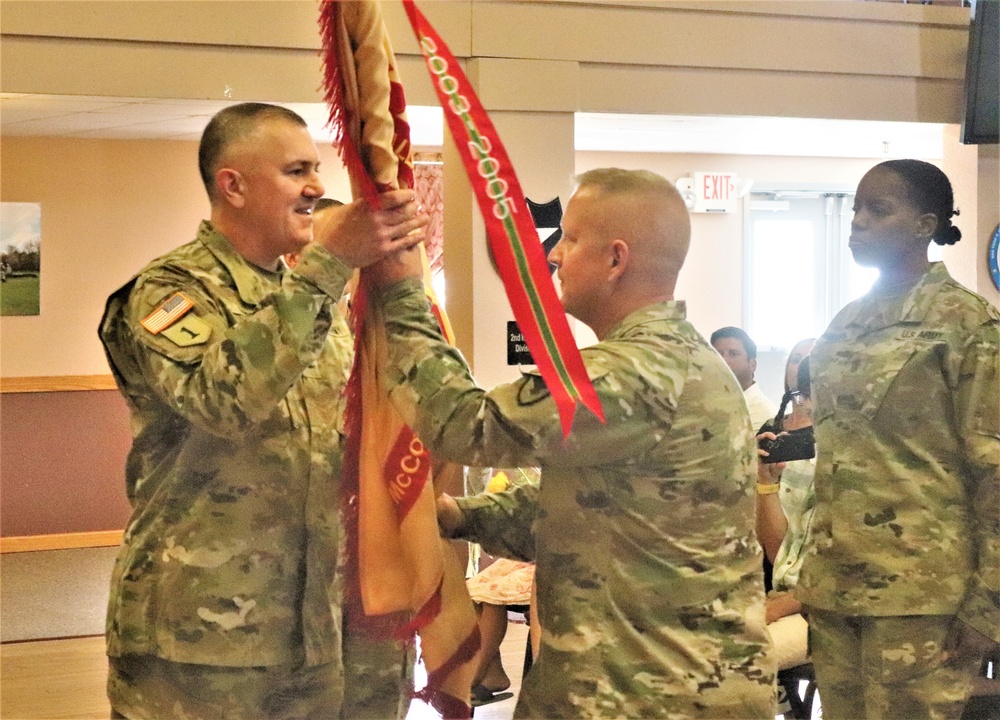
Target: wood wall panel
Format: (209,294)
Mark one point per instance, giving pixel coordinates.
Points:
(62,462)
(268,51)
(282,24)
(706,91)
(59,383)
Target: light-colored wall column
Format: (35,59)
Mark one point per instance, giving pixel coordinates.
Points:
(463,229)
(539,142)
(975,178)
(988,217)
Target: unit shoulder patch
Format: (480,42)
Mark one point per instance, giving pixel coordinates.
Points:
(189,330)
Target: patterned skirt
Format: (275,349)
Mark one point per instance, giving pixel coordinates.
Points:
(504,582)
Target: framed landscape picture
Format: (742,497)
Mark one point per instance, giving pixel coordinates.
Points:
(20,257)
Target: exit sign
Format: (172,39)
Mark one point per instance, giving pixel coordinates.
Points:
(716,192)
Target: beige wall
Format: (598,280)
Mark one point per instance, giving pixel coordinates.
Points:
(794,58)
(108,208)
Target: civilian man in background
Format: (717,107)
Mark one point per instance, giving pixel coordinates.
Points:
(650,590)
(225,598)
(740,354)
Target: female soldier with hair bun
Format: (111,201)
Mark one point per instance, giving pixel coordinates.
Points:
(902,577)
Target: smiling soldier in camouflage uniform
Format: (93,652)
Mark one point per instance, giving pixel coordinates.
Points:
(902,577)
(225,599)
(649,579)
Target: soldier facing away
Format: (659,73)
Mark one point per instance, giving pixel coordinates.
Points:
(649,579)
(226,596)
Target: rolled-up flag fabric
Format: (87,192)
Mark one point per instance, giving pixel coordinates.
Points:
(402,577)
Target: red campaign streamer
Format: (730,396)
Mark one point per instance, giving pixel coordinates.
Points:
(509,228)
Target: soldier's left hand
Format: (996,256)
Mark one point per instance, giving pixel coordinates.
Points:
(360,235)
(449,515)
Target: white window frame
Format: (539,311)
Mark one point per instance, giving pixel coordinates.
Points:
(833,276)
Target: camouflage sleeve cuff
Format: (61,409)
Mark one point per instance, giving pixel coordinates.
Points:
(323,269)
(476,510)
(500,522)
(981,610)
(406,292)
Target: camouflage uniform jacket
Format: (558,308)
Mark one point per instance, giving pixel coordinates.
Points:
(649,577)
(907,423)
(231,555)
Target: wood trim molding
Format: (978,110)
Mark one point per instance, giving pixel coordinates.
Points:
(62,541)
(57,383)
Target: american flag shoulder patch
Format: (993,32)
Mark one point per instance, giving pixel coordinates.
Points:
(168,313)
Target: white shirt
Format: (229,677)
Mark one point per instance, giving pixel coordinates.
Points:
(761,408)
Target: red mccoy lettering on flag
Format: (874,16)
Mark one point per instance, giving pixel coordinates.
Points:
(406,470)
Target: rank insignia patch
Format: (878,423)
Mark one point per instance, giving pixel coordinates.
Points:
(168,313)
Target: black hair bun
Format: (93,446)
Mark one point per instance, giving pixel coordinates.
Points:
(949,236)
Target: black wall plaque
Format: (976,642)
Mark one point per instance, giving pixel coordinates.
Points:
(517,348)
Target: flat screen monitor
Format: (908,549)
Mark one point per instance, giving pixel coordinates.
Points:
(982,97)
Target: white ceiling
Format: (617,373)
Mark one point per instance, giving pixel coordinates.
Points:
(808,137)
(137,118)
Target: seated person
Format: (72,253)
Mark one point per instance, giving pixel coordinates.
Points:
(502,583)
(786,498)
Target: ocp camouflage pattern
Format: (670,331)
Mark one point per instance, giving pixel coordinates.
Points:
(231,556)
(907,423)
(649,577)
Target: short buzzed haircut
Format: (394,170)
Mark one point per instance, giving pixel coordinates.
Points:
(663,218)
(617,181)
(231,125)
(734,332)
